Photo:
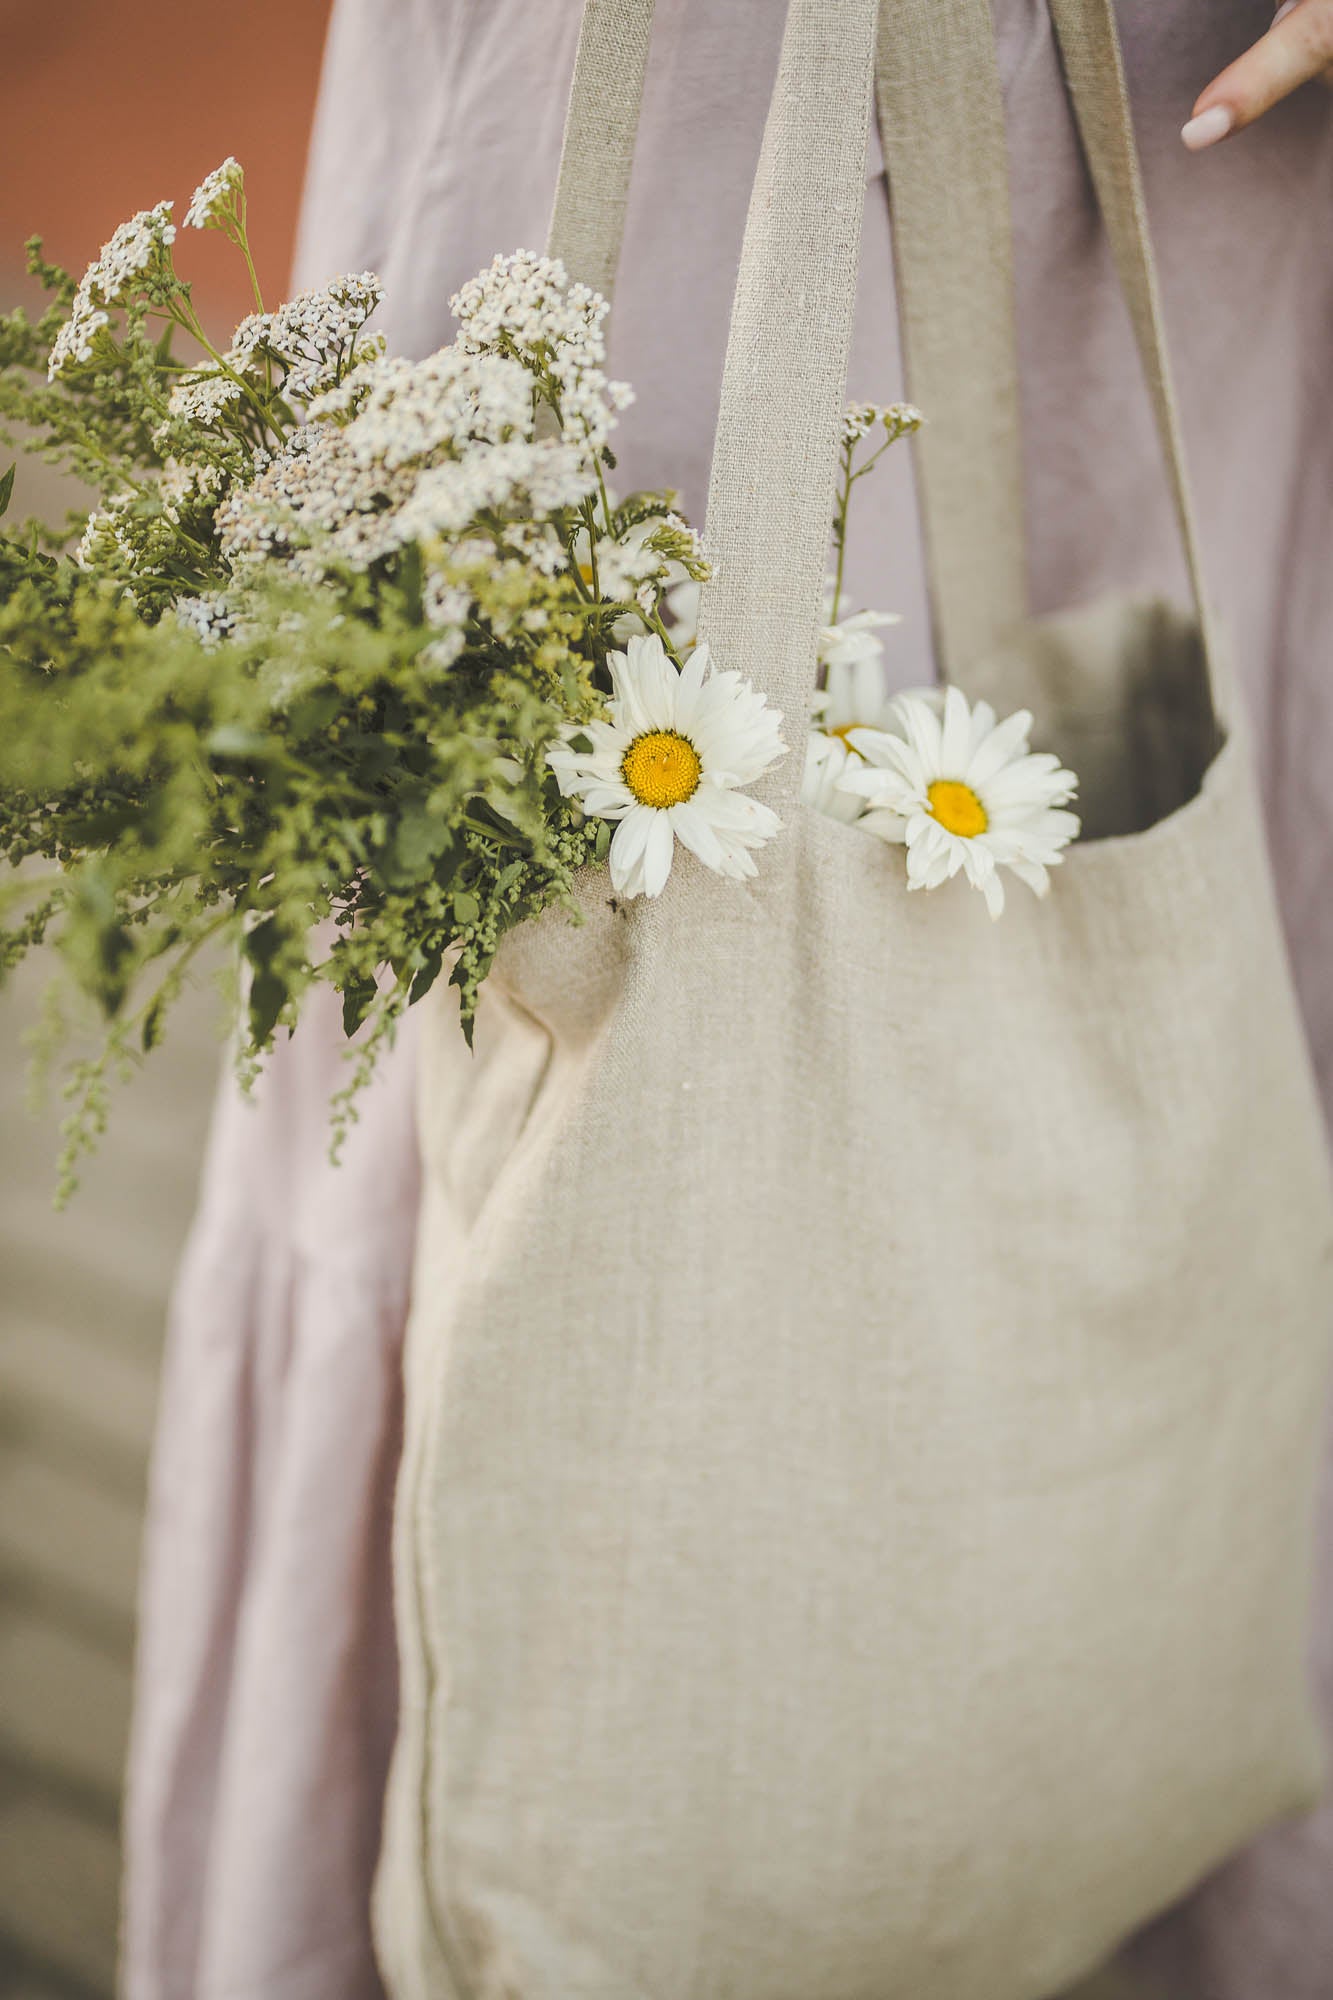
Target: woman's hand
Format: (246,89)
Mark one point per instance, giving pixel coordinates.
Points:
(1298,46)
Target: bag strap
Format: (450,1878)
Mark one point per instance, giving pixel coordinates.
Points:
(1095,72)
(601,131)
(771,489)
(942,129)
(941,119)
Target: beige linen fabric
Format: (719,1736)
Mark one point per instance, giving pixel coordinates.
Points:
(854,1533)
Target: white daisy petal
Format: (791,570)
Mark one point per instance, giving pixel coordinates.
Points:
(922,730)
(828,763)
(694,830)
(983,721)
(955,731)
(626,855)
(693,677)
(1034,873)
(657,853)
(1007,740)
(890,826)
(992,888)
(608,801)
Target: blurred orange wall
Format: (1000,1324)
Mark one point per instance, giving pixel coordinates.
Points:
(107,106)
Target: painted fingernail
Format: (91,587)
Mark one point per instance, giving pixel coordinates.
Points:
(1207,128)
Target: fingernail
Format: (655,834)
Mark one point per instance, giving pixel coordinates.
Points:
(1207,128)
(1284,10)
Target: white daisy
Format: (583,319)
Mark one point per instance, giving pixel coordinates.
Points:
(854,697)
(827,760)
(852,640)
(855,694)
(668,762)
(963,792)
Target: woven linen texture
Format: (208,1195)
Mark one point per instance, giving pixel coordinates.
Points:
(863,1389)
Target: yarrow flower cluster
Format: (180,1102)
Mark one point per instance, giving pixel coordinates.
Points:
(896,420)
(213,205)
(129,261)
(525,304)
(315,339)
(202,399)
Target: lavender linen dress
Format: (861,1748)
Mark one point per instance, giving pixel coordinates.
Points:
(266,1686)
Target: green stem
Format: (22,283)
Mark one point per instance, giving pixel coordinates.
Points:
(491,833)
(243,243)
(13,891)
(606,498)
(172,978)
(656,625)
(590,523)
(840,530)
(190,322)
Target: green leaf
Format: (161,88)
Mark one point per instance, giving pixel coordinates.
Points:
(425,978)
(420,840)
(151,1033)
(603,843)
(7,489)
(268,994)
(311,714)
(466,907)
(358,996)
(268,989)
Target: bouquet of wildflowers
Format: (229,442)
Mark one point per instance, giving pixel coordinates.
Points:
(358,661)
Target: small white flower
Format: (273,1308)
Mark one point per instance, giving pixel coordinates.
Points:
(101,537)
(668,764)
(202,398)
(963,792)
(210,618)
(189,485)
(898,419)
(316,337)
(214,200)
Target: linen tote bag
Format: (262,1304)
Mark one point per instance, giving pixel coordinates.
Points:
(853,1537)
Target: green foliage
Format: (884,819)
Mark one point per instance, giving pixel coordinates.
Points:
(360,828)
(322,752)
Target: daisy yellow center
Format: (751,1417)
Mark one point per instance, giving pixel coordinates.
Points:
(661,768)
(957,808)
(844,731)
